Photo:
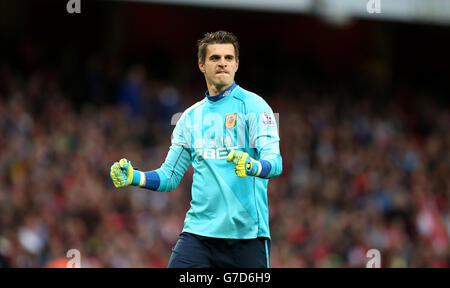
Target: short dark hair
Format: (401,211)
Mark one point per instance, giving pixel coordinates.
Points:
(219,37)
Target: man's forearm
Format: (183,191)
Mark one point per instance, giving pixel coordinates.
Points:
(271,167)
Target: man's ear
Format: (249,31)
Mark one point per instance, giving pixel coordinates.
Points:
(201,66)
(237,65)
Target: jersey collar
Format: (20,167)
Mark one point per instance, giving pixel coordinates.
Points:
(221,94)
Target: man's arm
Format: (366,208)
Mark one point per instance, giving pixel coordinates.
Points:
(171,172)
(264,138)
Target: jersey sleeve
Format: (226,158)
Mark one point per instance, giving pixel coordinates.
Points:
(177,161)
(263,136)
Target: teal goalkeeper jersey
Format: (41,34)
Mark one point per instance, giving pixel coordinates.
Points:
(224,205)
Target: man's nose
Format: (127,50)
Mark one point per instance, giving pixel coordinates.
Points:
(222,61)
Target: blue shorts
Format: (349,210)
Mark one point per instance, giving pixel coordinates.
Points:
(194,251)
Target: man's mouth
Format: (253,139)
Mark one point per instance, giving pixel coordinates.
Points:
(221,72)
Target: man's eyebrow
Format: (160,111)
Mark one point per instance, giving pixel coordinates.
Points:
(217,55)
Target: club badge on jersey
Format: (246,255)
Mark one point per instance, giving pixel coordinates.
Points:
(230,120)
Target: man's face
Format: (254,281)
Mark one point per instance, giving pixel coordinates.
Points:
(220,64)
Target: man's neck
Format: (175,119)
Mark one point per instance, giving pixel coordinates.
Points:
(215,90)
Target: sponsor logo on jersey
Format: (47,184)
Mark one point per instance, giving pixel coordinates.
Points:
(214,153)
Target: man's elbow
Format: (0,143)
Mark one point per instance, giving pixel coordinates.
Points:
(279,167)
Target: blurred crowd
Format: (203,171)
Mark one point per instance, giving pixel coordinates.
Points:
(359,173)
(363,175)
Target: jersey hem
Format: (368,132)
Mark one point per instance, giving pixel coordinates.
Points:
(215,235)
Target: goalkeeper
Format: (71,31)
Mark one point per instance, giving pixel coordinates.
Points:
(231,140)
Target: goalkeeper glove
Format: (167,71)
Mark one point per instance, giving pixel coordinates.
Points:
(123,174)
(244,165)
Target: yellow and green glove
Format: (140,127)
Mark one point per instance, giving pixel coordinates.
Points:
(244,165)
(123,174)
